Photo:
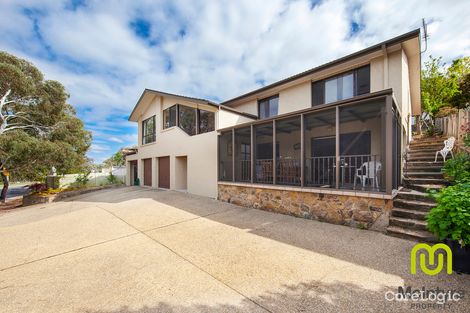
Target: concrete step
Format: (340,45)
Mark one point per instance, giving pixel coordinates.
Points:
(423,206)
(419,174)
(415,235)
(408,223)
(426,187)
(424,158)
(424,149)
(421,153)
(410,182)
(407,213)
(434,169)
(427,139)
(424,163)
(409,194)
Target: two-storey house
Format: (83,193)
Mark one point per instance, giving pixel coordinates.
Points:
(326,143)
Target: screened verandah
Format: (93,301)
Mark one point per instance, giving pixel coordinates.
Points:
(338,146)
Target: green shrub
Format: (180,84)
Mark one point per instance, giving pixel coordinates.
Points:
(458,168)
(451,217)
(81,180)
(466,139)
(432,131)
(112,179)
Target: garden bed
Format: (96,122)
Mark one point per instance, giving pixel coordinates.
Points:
(44,197)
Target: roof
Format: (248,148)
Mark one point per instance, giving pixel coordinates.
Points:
(166,94)
(226,104)
(395,40)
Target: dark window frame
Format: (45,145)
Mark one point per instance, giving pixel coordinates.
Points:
(268,99)
(152,135)
(195,125)
(175,106)
(199,121)
(319,99)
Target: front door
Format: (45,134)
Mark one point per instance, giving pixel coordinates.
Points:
(164,172)
(148,172)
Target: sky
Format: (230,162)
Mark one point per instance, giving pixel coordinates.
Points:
(107,52)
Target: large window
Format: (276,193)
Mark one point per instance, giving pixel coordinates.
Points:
(187,119)
(342,87)
(268,107)
(148,130)
(320,149)
(169,117)
(264,153)
(206,121)
(288,164)
(194,121)
(362,138)
(225,156)
(243,154)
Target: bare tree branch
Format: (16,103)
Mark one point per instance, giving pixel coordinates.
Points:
(6,116)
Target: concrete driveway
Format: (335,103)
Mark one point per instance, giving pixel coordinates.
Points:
(140,250)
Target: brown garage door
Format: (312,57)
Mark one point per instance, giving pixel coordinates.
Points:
(164,172)
(147,172)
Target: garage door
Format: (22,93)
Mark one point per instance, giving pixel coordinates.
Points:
(147,172)
(164,172)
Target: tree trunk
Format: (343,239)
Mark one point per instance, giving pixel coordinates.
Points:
(3,196)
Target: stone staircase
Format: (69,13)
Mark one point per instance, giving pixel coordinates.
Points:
(412,204)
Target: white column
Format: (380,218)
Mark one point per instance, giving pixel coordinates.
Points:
(154,173)
(128,173)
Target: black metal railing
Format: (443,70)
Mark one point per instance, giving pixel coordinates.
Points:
(288,171)
(360,172)
(320,171)
(243,171)
(264,171)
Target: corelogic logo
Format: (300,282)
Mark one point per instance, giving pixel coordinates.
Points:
(430,252)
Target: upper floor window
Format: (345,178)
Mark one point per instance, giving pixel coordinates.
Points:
(169,117)
(187,119)
(206,121)
(340,87)
(268,107)
(148,130)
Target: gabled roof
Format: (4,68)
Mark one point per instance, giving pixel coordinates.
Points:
(393,41)
(166,94)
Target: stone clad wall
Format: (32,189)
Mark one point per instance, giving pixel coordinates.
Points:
(361,212)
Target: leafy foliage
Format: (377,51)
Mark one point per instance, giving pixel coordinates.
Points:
(441,86)
(29,155)
(116,159)
(82,179)
(458,168)
(112,179)
(451,217)
(432,130)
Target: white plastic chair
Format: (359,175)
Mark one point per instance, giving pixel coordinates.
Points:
(368,170)
(448,146)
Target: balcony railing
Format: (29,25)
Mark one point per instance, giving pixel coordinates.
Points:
(244,170)
(319,171)
(288,171)
(264,171)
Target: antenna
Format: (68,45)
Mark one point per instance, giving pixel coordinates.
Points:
(425,35)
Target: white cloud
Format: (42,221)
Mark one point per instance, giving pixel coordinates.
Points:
(227,46)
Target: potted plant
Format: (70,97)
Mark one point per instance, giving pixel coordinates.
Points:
(450,221)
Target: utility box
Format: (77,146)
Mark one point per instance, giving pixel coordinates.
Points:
(52,182)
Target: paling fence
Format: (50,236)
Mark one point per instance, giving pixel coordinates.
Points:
(455,125)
